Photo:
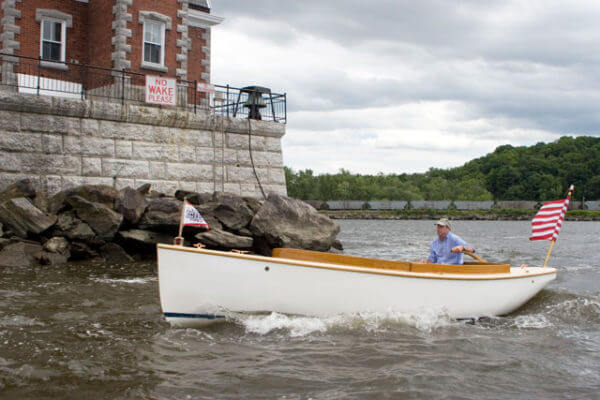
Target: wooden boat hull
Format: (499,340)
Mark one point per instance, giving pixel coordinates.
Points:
(198,287)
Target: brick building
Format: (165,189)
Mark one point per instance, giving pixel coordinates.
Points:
(170,38)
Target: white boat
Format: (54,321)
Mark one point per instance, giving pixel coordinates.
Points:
(199,286)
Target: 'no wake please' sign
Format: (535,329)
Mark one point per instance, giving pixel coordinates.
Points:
(161,90)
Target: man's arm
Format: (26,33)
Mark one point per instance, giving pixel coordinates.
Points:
(460,245)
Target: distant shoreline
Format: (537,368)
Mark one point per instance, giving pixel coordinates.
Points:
(474,215)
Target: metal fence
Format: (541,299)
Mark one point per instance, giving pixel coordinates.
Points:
(82,81)
(442,205)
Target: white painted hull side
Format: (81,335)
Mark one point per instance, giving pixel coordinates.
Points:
(198,288)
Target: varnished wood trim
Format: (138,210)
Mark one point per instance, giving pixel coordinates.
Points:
(342,259)
(374,271)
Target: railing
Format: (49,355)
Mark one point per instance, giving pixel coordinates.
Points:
(82,81)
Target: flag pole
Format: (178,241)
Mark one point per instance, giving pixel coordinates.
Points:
(556,238)
(179,239)
(548,255)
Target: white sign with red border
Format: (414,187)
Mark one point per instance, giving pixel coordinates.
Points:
(161,90)
(206,87)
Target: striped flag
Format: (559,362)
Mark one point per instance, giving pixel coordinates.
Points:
(548,220)
(191,217)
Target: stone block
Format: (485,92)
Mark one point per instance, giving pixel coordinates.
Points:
(276,175)
(125,168)
(239,174)
(235,141)
(189,172)
(273,144)
(10,120)
(123,149)
(196,138)
(206,187)
(158,170)
(250,190)
(90,127)
(7,179)
(187,153)
(51,164)
(232,188)
(20,141)
(205,155)
(189,186)
(52,144)
(50,123)
(91,166)
(89,146)
(157,152)
(125,131)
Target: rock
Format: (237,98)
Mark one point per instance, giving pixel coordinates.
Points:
(131,204)
(143,237)
(22,188)
(5,242)
(103,221)
(222,239)
(41,201)
(48,258)
(144,189)
(253,203)
(20,254)
(58,245)
(81,251)
(113,253)
(1,230)
(162,214)
(23,217)
(336,244)
(102,194)
(68,225)
(286,222)
(233,212)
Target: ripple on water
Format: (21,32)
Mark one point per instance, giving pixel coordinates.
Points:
(19,321)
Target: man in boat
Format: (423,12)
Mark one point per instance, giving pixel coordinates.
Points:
(447,248)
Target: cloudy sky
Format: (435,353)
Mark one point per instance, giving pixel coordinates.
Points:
(401,85)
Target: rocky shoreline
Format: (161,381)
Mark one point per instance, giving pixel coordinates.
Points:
(99,222)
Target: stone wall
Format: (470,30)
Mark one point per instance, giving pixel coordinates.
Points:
(61,143)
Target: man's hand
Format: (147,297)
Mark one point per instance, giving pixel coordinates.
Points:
(460,249)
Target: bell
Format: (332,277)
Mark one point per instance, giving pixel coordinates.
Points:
(255,100)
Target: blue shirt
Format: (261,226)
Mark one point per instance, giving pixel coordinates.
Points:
(440,250)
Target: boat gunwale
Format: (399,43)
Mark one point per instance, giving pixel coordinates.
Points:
(370,270)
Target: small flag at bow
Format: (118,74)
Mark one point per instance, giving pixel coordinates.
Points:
(547,222)
(192,217)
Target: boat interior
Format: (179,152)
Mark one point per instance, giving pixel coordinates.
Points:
(474,267)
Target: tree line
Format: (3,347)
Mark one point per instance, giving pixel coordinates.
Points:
(540,172)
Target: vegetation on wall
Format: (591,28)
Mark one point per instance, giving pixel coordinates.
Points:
(539,172)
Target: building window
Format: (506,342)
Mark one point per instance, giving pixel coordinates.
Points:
(53,40)
(154,42)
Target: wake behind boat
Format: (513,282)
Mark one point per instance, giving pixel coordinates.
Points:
(200,286)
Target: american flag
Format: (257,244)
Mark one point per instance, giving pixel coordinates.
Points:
(548,220)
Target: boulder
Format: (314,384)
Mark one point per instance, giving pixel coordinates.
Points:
(20,254)
(286,222)
(253,203)
(41,201)
(142,237)
(48,258)
(144,189)
(113,253)
(68,225)
(103,221)
(1,230)
(102,194)
(131,204)
(162,214)
(22,188)
(233,212)
(81,251)
(58,245)
(23,217)
(223,239)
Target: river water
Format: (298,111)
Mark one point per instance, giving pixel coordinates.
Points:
(95,331)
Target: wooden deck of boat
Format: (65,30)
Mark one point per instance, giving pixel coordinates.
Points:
(341,259)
